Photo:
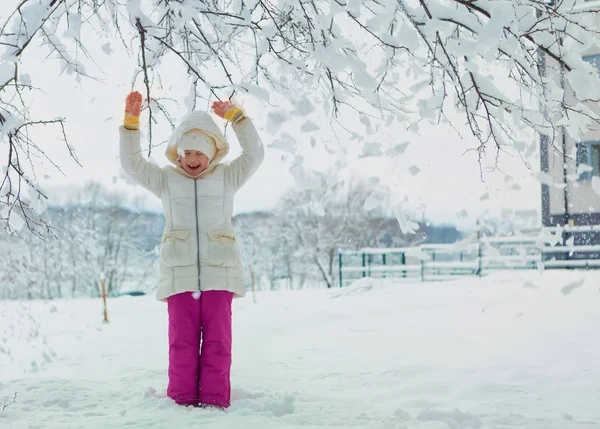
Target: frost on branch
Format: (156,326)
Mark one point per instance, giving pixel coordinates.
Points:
(361,64)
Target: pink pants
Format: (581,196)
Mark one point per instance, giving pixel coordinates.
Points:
(200,375)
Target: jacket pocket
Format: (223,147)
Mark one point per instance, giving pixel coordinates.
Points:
(175,248)
(223,250)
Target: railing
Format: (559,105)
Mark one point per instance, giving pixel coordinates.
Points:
(472,257)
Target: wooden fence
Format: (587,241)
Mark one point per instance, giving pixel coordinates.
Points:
(431,262)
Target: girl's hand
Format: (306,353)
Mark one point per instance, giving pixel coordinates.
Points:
(220,107)
(133,106)
(228,111)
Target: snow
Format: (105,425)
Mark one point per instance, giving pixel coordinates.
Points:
(414,170)
(509,350)
(596,184)
(371,149)
(7,72)
(74,20)
(297,67)
(16,221)
(407,226)
(546,179)
(309,127)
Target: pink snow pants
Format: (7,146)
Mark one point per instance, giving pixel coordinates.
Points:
(200,348)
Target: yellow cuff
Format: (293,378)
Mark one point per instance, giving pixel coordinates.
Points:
(131,122)
(234,115)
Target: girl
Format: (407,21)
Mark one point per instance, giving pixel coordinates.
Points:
(200,261)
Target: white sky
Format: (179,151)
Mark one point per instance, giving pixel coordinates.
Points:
(448,182)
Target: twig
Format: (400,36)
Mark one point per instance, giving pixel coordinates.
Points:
(142,32)
(8,404)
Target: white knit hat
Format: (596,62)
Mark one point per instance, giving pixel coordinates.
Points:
(195,139)
(198,120)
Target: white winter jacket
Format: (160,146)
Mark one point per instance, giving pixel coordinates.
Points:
(199,250)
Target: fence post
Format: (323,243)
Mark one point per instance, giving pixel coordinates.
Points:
(363,264)
(542,259)
(422,270)
(340,266)
(478,249)
(252,283)
(403,262)
(103,287)
(384,263)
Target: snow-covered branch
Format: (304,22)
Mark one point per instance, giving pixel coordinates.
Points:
(505,65)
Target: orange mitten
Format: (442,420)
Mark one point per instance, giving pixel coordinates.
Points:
(229,111)
(133,106)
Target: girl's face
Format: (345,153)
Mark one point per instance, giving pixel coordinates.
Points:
(193,162)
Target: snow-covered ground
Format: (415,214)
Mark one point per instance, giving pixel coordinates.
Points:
(513,350)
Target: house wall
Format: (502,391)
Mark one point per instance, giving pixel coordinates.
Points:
(583,202)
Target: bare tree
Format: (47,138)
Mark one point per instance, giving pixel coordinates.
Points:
(265,248)
(94,234)
(480,58)
(330,216)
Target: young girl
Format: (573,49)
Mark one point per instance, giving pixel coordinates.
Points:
(200,262)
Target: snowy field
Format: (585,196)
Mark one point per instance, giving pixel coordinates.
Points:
(513,350)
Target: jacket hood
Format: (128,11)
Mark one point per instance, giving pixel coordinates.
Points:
(205,123)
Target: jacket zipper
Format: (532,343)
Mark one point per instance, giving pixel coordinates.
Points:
(197,230)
